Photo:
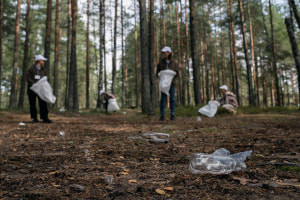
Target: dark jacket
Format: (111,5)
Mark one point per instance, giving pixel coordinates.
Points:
(172,65)
(31,72)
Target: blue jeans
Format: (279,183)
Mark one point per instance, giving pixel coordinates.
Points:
(163,101)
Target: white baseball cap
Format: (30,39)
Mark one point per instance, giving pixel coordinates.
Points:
(224,87)
(101,92)
(40,57)
(166,49)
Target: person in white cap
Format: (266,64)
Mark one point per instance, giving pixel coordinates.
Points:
(35,73)
(228,102)
(107,96)
(167,62)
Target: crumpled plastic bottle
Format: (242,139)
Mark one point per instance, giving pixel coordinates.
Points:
(219,162)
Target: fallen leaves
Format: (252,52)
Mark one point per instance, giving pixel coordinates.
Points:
(132,181)
(159,191)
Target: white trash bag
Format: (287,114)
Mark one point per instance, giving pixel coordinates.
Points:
(43,89)
(112,105)
(210,109)
(166,77)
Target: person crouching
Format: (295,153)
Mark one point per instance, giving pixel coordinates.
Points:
(228,102)
(106,97)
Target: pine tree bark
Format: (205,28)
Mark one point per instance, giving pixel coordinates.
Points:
(68,54)
(151,55)
(14,81)
(293,88)
(48,37)
(123,57)
(274,61)
(101,50)
(145,69)
(87,59)
(249,74)
(1,33)
(187,61)
(114,69)
(293,41)
(236,67)
(230,48)
(295,11)
(195,64)
(73,89)
(57,53)
(25,58)
(137,94)
(253,62)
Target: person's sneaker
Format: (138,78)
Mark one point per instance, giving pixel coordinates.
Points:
(35,120)
(162,118)
(47,121)
(172,117)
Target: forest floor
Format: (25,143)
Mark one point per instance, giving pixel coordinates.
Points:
(105,157)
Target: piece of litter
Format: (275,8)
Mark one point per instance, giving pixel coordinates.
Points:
(159,191)
(21,124)
(108,178)
(62,109)
(157,137)
(169,188)
(61,133)
(198,119)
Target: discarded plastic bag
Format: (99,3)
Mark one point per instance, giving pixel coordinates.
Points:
(157,137)
(219,162)
(166,77)
(210,109)
(43,89)
(112,105)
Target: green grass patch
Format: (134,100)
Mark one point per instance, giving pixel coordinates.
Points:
(289,168)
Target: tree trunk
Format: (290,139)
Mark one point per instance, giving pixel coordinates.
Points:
(25,59)
(1,30)
(293,41)
(68,54)
(137,94)
(295,11)
(195,64)
(145,69)
(57,53)
(14,81)
(48,37)
(236,67)
(114,69)
(253,62)
(123,57)
(249,74)
(151,55)
(73,89)
(187,54)
(87,59)
(101,50)
(230,48)
(274,63)
(293,88)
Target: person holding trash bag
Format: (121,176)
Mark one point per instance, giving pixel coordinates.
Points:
(167,62)
(34,74)
(228,102)
(107,97)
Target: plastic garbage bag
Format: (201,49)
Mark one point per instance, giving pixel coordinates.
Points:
(210,109)
(219,162)
(43,89)
(157,137)
(166,77)
(112,105)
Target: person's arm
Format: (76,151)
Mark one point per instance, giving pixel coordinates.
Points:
(158,69)
(29,77)
(226,99)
